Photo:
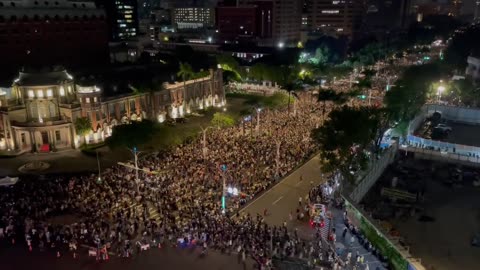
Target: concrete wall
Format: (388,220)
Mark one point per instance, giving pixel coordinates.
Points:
(374,171)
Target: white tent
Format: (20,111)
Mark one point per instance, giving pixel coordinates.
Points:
(8,181)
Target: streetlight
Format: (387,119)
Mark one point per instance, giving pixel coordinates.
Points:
(440,90)
(99,179)
(204,141)
(135,153)
(223,168)
(258,120)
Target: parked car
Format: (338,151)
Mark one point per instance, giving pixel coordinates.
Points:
(444,128)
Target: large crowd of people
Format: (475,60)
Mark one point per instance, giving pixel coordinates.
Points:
(180,203)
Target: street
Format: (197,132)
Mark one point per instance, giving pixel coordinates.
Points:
(283,198)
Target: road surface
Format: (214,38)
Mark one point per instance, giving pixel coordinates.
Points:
(283,198)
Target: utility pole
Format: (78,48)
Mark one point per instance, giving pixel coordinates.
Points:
(223,168)
(277,158)
(257,128)
(99,179)
(204,141)
(135,155)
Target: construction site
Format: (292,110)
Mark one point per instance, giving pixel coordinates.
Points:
(432,208)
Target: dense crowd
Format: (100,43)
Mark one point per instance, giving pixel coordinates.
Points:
(180,201)
(179,204)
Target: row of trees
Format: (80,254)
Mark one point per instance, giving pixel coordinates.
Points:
(351,136)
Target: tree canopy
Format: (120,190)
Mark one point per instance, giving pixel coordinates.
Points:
(131,135)
(222,120)
(462,44)
(411,90)
(83,126)
(230,64)
(344,138)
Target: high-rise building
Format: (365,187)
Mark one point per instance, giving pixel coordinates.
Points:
(122,18)
(476,15)
(383,16)
(338,17)
(52,32)
(438,7)
(249,21)
(193,18)
(286,18)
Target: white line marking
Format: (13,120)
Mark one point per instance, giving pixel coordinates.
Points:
(266,192)
(298,184)
(275,202)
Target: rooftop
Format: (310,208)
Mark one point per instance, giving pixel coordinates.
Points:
(42,78)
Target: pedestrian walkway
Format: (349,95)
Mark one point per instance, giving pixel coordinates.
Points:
(343,245)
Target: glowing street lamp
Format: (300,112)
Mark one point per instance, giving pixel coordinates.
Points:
(440,90)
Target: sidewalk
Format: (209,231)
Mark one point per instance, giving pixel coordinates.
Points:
(343,245)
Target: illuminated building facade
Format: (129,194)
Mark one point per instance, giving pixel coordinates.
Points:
(39,111)
(122,18)
(337,17)
(185,18)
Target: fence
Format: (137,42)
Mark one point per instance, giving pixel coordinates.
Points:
(444,151)
(264,89)
(454,113)
(374,171)
(444,156)
(471,153)
(398,256)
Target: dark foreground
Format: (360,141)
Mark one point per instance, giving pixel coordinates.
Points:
(18,258)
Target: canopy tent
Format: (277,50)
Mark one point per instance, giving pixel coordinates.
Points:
(8,181)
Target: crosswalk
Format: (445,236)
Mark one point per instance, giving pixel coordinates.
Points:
(325,230)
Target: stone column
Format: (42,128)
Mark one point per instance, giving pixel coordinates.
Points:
(33,142)
(54,138)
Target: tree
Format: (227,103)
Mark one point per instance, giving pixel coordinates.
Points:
(83,126)
(229,63)
(462,45)
(465,92)
(344,138)
(131,135)
(185,72)
(325,95)
(222,120)
(410,92)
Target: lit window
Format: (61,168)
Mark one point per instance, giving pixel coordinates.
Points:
(62,91)
(87,100)
(40,93)
(49,93)
(31,94)
(69,89)
(94,99)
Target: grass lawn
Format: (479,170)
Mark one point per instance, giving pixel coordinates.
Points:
(166,136)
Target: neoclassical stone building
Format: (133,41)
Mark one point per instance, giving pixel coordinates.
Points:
(39,111)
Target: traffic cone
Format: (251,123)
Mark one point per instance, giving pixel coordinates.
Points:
(30,248)
(159,245)
(58,254)
(13,241)
(74,255)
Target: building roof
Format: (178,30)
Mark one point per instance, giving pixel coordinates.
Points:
(42,78)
